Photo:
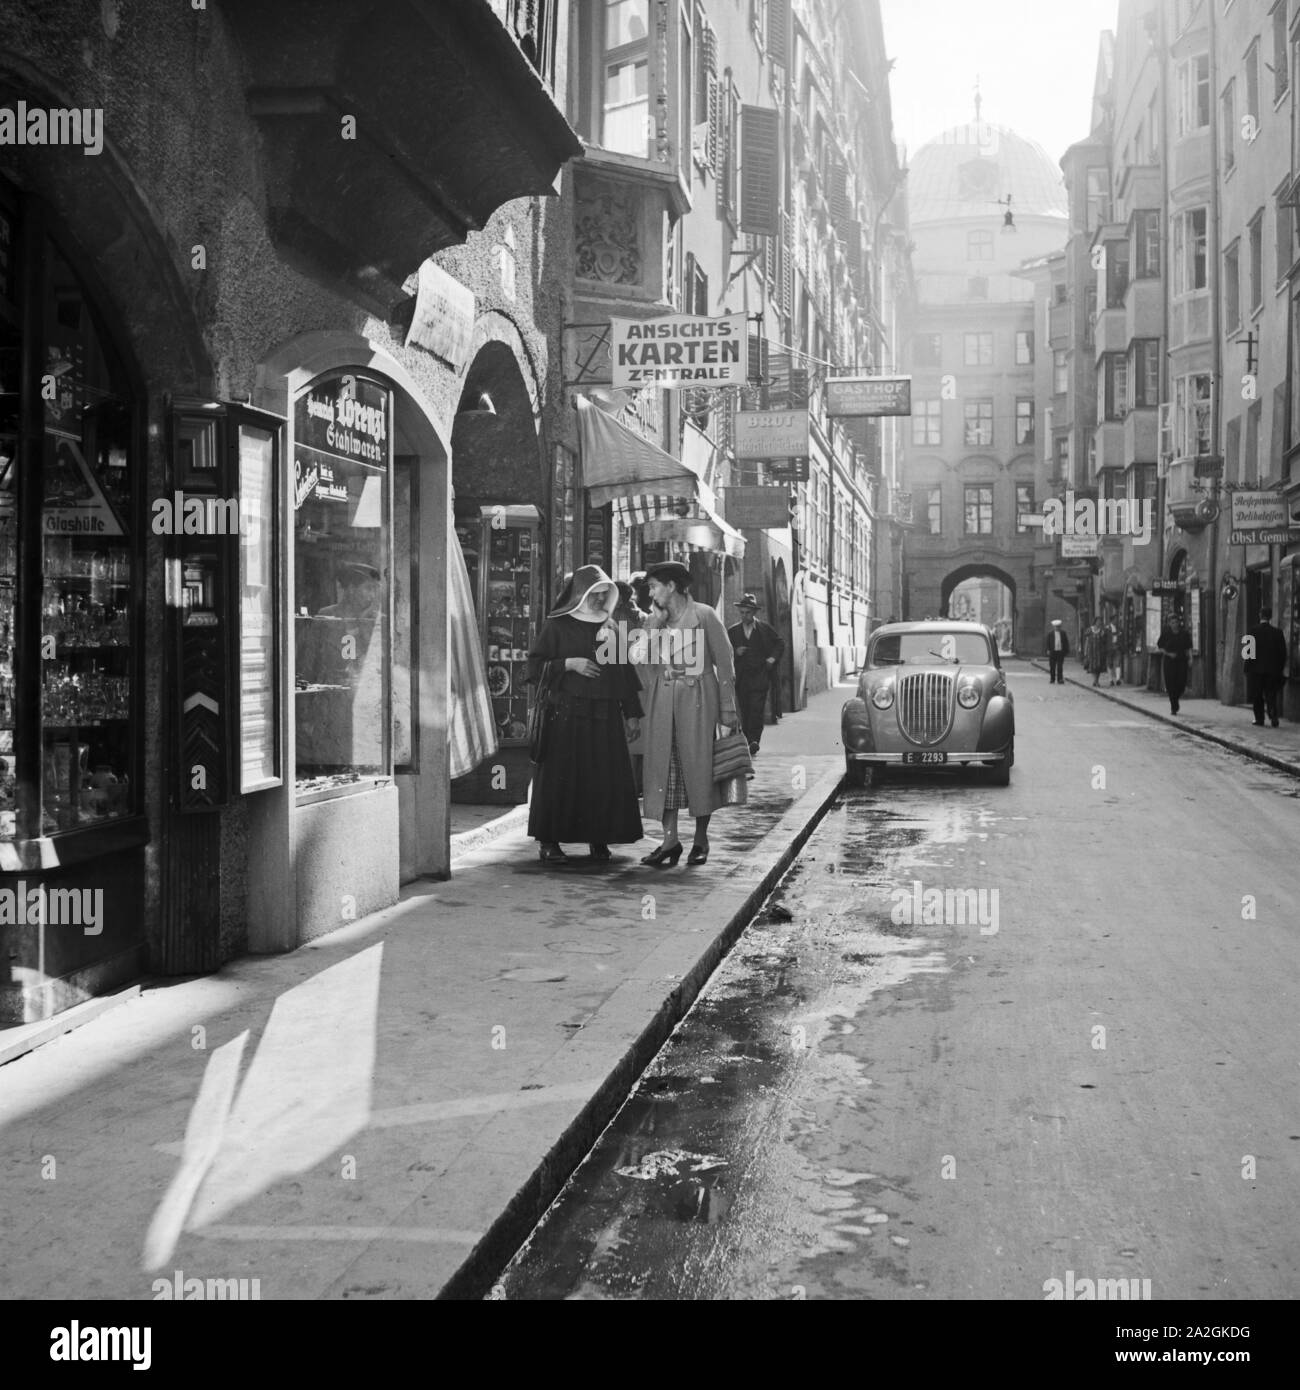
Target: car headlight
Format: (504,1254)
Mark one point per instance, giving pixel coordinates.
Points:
(968,696)
(883,695)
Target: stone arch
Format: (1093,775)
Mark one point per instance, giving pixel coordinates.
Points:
(982,569)
(115,239)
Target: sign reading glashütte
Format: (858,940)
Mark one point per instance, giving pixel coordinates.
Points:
(678,350)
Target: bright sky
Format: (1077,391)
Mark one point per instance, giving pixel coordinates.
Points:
(1035,59)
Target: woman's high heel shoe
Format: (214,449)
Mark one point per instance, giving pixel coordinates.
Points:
(661,856)
(699,854)
(552,854)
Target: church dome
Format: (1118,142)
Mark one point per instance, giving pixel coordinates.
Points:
(968,169)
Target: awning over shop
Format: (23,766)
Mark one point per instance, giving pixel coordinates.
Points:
(617,463)
(650,488)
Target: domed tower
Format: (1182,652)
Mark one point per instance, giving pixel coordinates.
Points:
(983,201)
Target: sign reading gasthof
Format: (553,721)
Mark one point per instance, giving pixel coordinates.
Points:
(678,350)
(1260,518)
(848,396)
(771,434)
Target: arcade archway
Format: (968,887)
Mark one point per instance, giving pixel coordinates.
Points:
(982,593)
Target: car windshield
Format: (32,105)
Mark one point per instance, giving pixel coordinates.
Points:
(931,649)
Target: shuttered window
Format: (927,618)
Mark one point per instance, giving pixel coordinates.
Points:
(760,171)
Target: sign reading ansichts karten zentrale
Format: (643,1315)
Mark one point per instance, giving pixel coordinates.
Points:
(677,350)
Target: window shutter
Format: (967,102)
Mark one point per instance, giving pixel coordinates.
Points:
(786,285)
(715,94)
(778,392)
(757,369)
(760,171)
(798,386)
(778,31)
(853,250)
(837,195)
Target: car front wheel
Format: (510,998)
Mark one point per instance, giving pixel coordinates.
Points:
(1000,776)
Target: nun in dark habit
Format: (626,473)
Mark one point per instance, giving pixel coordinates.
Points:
(583,788)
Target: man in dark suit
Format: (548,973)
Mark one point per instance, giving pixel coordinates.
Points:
(1058,648)
(757,651)
(1265,662)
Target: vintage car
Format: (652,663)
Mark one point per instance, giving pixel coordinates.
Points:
(930,695)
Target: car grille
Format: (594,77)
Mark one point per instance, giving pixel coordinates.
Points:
(925,705)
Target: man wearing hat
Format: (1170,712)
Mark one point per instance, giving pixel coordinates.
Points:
(758,648)
(1058,648)
(1266,668)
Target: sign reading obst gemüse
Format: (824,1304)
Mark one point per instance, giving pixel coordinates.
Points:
(677,350)
(848,396)
(1260,518)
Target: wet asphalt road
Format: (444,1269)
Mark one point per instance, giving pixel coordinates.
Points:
(864,1106)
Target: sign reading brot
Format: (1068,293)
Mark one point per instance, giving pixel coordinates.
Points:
(679,350)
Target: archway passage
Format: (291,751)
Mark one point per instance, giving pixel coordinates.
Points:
(984,594)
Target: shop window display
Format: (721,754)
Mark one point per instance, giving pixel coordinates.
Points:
(342,461)
(82,628)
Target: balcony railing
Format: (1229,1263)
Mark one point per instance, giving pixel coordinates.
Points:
(533,24)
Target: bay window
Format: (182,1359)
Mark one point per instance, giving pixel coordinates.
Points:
(1189,251)
(1193,416)
(1193,94)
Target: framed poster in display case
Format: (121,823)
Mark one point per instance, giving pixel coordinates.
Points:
(508,598)
(257,450)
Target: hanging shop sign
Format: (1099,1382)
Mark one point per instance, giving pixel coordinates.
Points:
(771,434)
(678,350)
(1261,518)
(1078,547)
(849,396)
(759,508)
(343,417)
(788,470)
(443,319)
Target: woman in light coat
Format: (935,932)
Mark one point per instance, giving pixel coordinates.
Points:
(690,690)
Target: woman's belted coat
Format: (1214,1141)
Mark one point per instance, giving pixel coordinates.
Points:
(689,709)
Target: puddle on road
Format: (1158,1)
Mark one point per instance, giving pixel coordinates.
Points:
(703,1185)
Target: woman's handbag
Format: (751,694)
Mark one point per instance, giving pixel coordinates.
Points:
(540,718)
(731,757)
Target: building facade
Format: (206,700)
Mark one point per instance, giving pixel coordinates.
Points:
(986,209)
(236,346)
(739,161)
(1189,172)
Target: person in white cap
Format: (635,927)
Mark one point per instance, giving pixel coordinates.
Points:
(582,785)
(1058,648)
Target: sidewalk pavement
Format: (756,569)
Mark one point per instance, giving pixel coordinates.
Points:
(385,1112)
(1231,726)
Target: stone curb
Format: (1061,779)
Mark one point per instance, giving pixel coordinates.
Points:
(34,1035)
(467,841)
(1233,745)
(475,1276)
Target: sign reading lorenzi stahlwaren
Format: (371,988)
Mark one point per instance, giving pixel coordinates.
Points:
(1260,518)
(678,350)
(343,417)
(848,396)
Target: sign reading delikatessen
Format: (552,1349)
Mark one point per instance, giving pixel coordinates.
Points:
(1261,518)
(771,434)
(679,350)
(849,396)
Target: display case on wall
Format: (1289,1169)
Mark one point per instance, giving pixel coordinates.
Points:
(501,545)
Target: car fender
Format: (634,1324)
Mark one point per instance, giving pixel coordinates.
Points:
(999,723)
(855,725)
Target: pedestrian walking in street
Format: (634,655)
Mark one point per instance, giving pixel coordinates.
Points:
(1095,656)
(582,787)
(1058,648)
(1266,669)
(757,649)
(1176,644)
(1113,648)
(692,690)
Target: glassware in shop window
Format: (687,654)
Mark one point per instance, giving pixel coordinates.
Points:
(508,620)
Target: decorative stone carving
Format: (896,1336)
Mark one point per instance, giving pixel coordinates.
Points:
(607,233)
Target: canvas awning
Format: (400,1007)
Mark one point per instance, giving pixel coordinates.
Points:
(649,487)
